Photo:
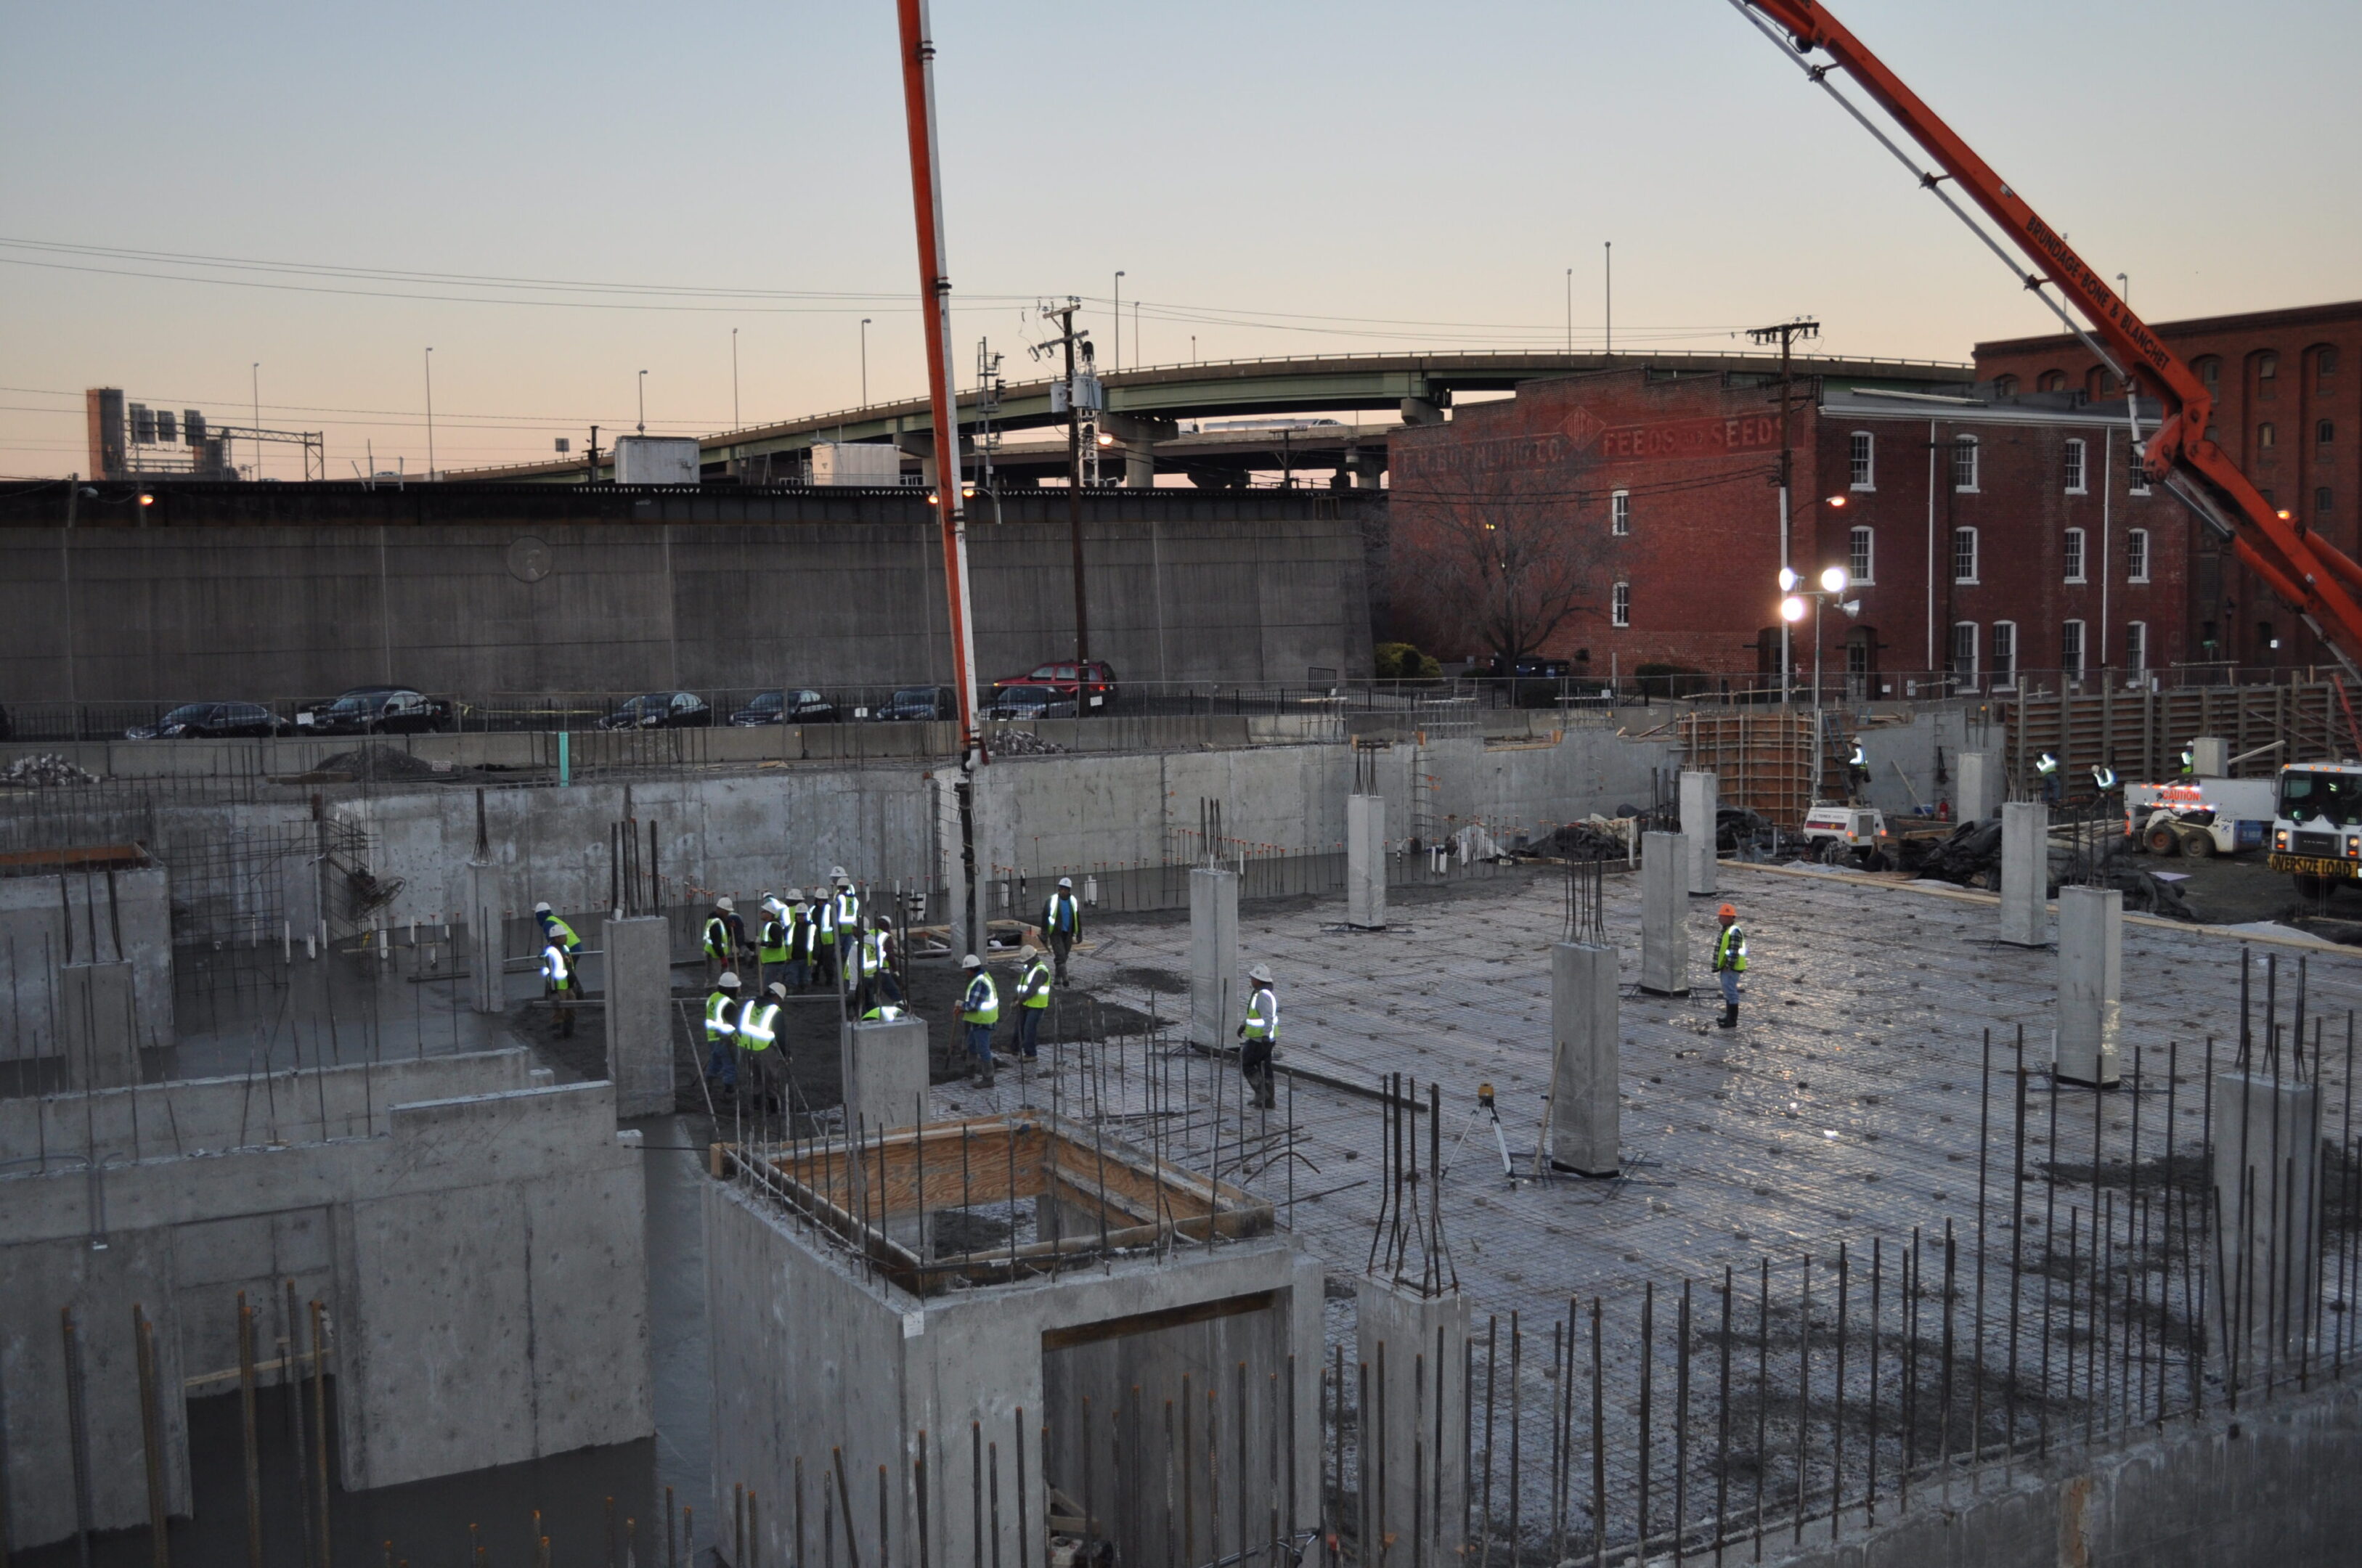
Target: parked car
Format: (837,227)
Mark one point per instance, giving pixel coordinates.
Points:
(209,720)
(378,710)
(7,726)
(1030,702)
(910,703)
(1090,684)
(660,710)
(796,705)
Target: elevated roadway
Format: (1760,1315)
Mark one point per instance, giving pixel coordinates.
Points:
(1146,407)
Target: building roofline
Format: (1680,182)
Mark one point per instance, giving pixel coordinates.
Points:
(2249,321)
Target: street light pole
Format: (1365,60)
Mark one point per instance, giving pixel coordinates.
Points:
(733,379)
(865,362)
(258,419)
(1118,319)
(1786,333)
(430,410)
(1570,311)
(644,402)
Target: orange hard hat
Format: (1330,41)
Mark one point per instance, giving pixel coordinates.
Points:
(1727,913)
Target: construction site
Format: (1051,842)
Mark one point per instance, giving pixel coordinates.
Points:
(1513,1122)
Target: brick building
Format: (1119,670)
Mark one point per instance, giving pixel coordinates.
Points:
(1994,540)
(2285,411)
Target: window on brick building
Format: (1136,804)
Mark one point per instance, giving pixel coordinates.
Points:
(1619,512)
(2324,503)
(2005,386)
(1964,463)
(2136,650)
(1964,555)
(2267,367)
(2267,436)
(2075,467)
(1964,656)
(2324,368)
(2136,555)
(1619,604)
(2052,382)
(2070,648)
(2324,433)
(2004,655)
(1862,556)
(2073,555)
(2136,468)
(1865,460)
(2210,370)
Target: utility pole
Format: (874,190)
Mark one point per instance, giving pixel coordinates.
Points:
(1068,339)
(590,470)
(1786,334)
(430,412)
(733,379)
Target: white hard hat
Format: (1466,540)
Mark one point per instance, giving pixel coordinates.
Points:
(1027,953)
(541,909)
(971,961)
(837,872)
(795,893)
(1260,974)
(724,903)
(778,989)
(729,981)
(1065,881)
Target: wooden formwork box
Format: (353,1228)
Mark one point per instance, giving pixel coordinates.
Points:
(2141,734)
(1761,761)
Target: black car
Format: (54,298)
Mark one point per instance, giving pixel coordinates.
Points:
(910,703)
(660,710)
(209,720)
(796,705)
(1031,703)
(379,711)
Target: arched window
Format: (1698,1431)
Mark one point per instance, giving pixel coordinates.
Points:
(2052,382)
(2005,386)
(2267,436)
(2267,373)
(2210,372)
(2324,368)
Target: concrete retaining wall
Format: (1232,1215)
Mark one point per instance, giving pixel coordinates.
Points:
(113,916)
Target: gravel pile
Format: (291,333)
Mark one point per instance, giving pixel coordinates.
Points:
(1023,743)
(46,771)
(386,762)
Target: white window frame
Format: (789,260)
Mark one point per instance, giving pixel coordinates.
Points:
(2074,668)
(2074,553)
(1976,553)
(1861,459)
(2079,467)
(1619,604)
(2135,469)
(1619,512)
(1861,554)
(2137,651)
(2005,656)
(2136,543)
(1964,673)
(1971,449)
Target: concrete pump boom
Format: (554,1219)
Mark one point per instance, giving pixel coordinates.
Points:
(2314,577)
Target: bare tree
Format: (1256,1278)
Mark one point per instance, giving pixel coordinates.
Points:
(1497,572)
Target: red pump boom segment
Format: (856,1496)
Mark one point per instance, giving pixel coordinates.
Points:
(2313,575)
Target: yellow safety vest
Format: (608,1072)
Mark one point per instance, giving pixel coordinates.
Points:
(1035,987)
(1731,948)
(717,1017)
(757,1025)
(982,1004)
(1263,1015)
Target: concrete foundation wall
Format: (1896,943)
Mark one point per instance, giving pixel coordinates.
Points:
(96,614)
(123,915)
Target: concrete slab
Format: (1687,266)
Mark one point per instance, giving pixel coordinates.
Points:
(119,913)
(98,1025)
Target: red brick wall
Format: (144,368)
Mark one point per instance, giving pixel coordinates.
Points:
(2294,469)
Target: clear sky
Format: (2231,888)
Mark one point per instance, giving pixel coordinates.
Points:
(1274,178)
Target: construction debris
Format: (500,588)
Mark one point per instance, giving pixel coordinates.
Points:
(46,771)
(1022,743)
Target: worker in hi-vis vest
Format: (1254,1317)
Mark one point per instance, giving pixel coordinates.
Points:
(558,984)
(725,935)
(722,1030)
(1062,922)
(1033,1000)
(979,1010)
(1729,963)
(759,1027)
(803,931)
(1259,1035)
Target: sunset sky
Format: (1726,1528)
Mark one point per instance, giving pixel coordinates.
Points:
(554,198)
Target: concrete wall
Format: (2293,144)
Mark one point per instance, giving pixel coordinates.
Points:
(118,915)
(2274,1485)
(482,1259)
(106,614)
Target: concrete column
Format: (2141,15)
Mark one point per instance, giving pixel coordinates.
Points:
(1665,915)
(2025,873)
(2210,756)
(1586,1110)
(2266,1189)
(884,1067)
(1214,968)
(2090,976)
(1139,464)
(1701,799)
(1977,792)
(98,1026)
(1365,862)
(487,945)
(640,1027)
(1419,1340)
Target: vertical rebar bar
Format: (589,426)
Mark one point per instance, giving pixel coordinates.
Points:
(1722,1425)
(249,1438)
(1598,1444)
(1804,1387)
(1681,1422)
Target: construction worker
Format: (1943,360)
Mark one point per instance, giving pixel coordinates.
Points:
(844,904)
(726,935)
(759,1027)
(878,976)
(2046,767)
(803,929)
(1062,922)
(979,1010)
(557,930)
(557,981)
(771,946)
(824,911)
(1033,1002)
(1729,963)
(883,1012)
(1259,1035)
(722,1030)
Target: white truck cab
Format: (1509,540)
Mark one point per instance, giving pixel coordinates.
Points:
(2317,824)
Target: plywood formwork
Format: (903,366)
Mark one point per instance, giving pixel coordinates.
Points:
(1764,761)
(2141,734)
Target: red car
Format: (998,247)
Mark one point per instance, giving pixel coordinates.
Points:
(1091,684)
